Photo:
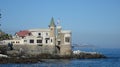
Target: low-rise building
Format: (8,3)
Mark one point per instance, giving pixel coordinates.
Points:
(53,39)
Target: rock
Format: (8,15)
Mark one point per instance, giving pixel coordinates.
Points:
(19,60)
(3,49)
(3,56)
(87,55)
(13,53)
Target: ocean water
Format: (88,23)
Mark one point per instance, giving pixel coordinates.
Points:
(113,60)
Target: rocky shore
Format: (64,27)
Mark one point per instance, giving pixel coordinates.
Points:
(38,58)
(88,55)
(16,57)
(19,60)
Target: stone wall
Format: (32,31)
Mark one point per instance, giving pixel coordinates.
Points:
(35,49)
(65,50)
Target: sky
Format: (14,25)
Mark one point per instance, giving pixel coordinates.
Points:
(95,22)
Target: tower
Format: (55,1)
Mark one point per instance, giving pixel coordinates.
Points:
(59,28)
(52,28)
(58,39)
(63,41)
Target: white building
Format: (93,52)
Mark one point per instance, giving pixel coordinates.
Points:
(54,36)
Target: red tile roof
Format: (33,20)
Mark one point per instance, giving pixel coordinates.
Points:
(23,33)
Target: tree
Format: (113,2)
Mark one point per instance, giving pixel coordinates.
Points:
(5,36)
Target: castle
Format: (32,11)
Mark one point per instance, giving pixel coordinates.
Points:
(52,40)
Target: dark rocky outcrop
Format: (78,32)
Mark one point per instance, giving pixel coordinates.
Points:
(88,56)
(38,58)
(3,49)
(15,56)
(19,60)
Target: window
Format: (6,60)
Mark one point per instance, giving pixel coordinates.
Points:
(17,41)
(46,41)
(51,28)
(39,34)
(25,40)
(31,41)
(29,34)
(58,42)
(22,37)
(39,41)
(51,40)
(13,42)
(46,34)
(67,39)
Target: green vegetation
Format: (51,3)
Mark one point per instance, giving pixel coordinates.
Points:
(4,36)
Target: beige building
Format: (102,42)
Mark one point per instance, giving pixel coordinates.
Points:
(54,36)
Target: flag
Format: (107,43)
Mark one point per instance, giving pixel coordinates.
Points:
(58,22)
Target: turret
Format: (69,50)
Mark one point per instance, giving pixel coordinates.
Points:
(52,23)
(52,28)
(59,28)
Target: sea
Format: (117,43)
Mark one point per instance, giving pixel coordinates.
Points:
(112,60)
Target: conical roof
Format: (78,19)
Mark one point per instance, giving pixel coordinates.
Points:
(52,24)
